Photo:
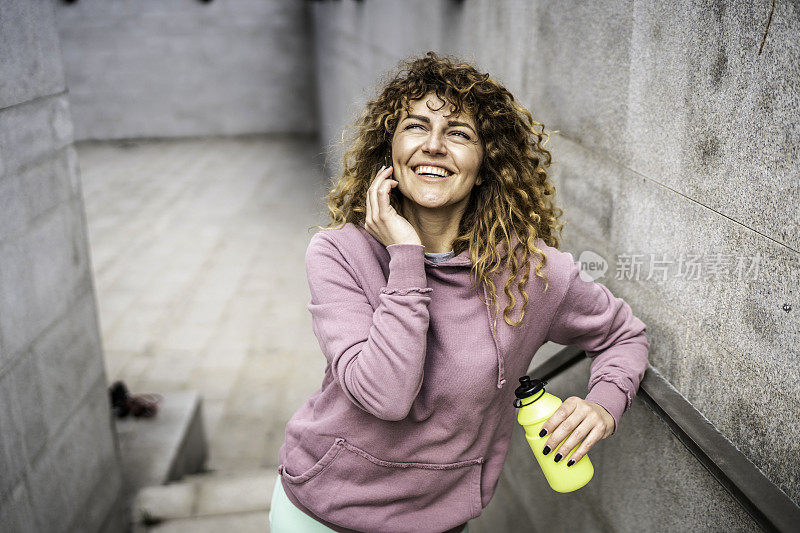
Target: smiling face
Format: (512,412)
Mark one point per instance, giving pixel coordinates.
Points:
(436,156)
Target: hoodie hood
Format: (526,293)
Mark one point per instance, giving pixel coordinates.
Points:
(463,260)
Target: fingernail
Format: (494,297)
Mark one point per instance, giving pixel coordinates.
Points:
(543,432)
(546,450)
(570,462)
(557,457)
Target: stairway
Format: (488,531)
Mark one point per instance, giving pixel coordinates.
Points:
(207,502)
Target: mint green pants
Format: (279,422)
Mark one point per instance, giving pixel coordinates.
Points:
(284,517)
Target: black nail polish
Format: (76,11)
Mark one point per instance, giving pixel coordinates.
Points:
(543,432)
(570,462)
(546,450)
(558,457)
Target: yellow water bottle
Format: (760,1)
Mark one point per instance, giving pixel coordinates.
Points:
(535,407)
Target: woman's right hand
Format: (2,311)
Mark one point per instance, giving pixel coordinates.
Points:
(382,221)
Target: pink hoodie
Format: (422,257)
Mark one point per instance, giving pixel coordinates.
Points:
(412,423)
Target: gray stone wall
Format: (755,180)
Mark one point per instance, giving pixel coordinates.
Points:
(59,467)
(676,135)
(187,68)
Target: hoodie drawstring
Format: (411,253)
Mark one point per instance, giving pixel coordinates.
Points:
(501,380)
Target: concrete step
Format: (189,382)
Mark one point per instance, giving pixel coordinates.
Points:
(163,448)
(207,502)
(257,522)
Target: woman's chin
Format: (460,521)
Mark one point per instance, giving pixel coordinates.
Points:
(424,198)
(430,202)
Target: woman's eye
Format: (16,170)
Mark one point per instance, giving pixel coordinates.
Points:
(467,137)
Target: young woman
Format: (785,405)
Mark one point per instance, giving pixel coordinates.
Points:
(411,425)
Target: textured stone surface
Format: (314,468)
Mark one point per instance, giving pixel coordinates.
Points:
(187,69)
(496,33)
(81,456)
(25,430)
(30,65)
(60,469)
(103,508)
(711,118)
(13,211)
(16,513)
(578,69)
(67,361)
(12,445)
(34,130)
(41,274)
(716,325)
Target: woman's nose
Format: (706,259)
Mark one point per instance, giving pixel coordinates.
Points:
(434,144)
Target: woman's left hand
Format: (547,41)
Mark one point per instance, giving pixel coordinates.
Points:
(590,422)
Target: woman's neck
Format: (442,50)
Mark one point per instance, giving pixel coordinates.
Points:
(437,228)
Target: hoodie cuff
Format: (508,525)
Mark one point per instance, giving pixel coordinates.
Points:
(611,398)
(406,267)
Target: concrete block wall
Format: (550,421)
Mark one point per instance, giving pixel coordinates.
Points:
(187,68)
(59,465)
(675,136)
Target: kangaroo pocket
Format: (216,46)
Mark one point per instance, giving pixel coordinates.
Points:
(357,490)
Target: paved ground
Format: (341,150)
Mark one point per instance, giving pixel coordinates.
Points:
(198,255)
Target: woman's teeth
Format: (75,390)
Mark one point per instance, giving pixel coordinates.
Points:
(435,171)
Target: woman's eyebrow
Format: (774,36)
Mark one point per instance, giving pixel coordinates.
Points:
(426,120)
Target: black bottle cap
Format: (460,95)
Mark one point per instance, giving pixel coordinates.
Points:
(528,387)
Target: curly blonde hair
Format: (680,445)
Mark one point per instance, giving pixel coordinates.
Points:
(515,196)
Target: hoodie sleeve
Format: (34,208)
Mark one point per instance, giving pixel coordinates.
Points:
(376,356)
(590,317)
